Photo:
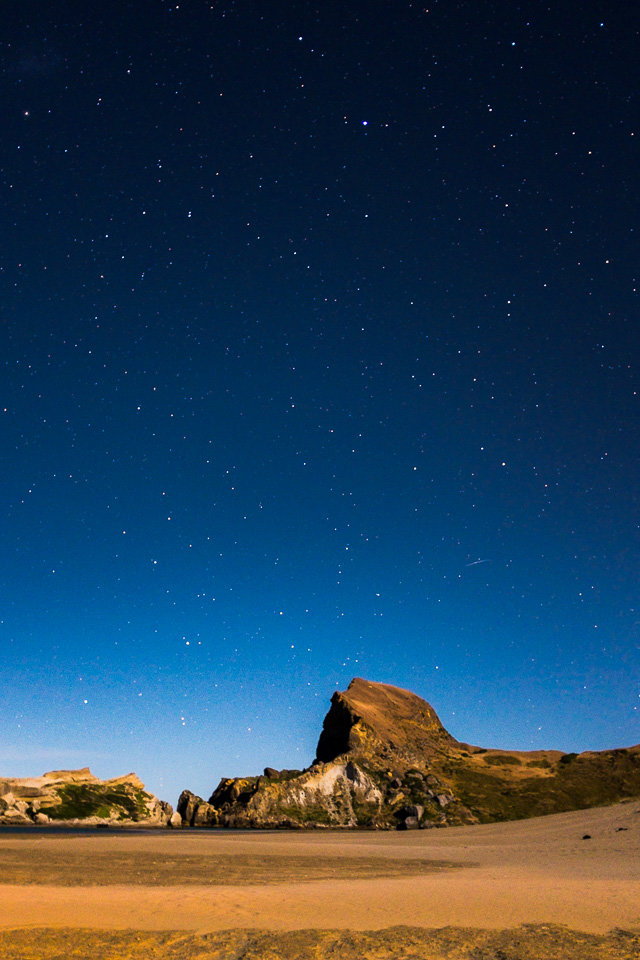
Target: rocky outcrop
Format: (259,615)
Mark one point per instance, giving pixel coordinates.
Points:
(371,760)
(331,794)
(195,812)
(384,760)
(78,797)
(376,718)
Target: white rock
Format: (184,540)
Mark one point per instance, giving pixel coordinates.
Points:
(13,815)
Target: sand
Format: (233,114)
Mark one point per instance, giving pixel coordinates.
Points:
(493,876)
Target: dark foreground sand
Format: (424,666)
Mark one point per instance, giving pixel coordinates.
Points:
(540,942)
(324,894)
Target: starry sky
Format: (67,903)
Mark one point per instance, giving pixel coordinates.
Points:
(319,330)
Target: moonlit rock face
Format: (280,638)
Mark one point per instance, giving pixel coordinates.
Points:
(396,719)
(345,775)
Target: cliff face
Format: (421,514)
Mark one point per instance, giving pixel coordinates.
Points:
(384,760)
(79,797)
(375,718)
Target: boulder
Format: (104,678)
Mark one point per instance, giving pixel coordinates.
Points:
(409,823)
(187,805)
(14,816)
(205,815)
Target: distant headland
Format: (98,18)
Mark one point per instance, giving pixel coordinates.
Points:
(77,797)
(384,760)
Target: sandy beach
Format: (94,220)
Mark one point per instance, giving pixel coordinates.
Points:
(539,871)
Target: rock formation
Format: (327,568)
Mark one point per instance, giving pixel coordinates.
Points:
(375,718)
(78,797)
(195,812)
(384,760)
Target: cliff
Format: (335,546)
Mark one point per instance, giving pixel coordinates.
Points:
(78,797)
(377,719)
(385,760)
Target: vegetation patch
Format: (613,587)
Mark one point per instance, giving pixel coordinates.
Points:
(502,759)
(365,813)
(76,801)
(590,781)
(309,813)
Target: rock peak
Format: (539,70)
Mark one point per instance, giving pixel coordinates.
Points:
(375,718)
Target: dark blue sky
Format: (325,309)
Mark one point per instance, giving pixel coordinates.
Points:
(319,359)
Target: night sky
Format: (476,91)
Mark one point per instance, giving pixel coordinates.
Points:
(319,340)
